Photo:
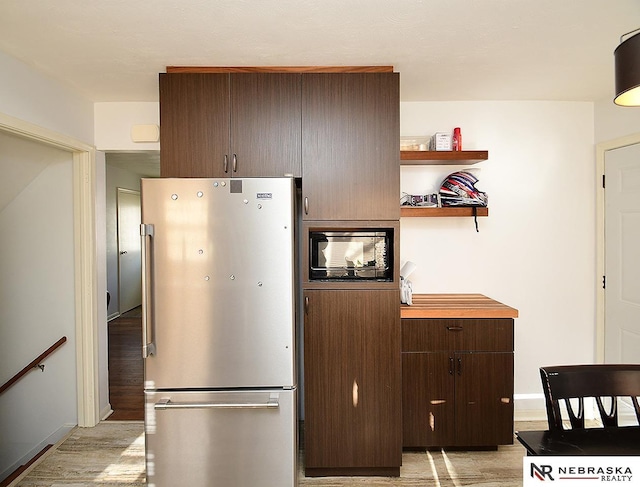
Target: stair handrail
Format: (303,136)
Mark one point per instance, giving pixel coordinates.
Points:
(34,364)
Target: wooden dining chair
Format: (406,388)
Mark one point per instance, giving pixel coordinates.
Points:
(571,384)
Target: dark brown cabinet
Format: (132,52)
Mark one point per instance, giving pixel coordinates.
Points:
(457,382)
(340,132)
(351,146)
(352,363)
(352,381)
(230,125)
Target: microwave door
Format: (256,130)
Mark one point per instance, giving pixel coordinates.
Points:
(353,255)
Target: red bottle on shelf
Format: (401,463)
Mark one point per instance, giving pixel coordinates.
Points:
(456,141)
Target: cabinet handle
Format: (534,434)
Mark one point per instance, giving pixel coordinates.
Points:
(450,365)
(306,205)
(225,164)
(306,305)
(235,163)
(459,366)
(455,328)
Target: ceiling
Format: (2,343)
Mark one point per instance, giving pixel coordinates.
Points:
(112,50)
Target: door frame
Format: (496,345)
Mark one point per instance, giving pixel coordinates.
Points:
(601,150)
(85,260)
(118,227)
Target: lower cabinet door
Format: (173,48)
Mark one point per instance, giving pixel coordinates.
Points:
(240,439)
(457,399)
(352,381)
(428,409)
(484,398)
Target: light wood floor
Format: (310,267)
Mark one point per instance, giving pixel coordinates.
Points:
(112,455)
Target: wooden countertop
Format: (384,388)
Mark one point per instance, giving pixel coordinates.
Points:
(456,306)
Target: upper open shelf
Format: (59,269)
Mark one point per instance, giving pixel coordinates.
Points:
(421,158)
(455,211)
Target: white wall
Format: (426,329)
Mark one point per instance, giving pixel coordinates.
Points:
(613,122)
(536,250)
(30,96)
(113,123)
(37,303)
(27,95)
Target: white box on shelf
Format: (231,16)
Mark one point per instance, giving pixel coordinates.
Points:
(441,141)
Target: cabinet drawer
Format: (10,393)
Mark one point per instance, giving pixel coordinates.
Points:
(481,335)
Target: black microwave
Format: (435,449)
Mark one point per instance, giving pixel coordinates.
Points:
(351,255)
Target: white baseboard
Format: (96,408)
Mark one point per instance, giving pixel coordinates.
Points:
(529,407)
(106,412)
(55,438)
(532,407)
(113,316)
(529,415)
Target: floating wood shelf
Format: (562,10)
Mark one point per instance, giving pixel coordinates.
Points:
(450,211)
(421,158)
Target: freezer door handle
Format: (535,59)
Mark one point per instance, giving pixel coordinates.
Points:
(272,403)
(148,340)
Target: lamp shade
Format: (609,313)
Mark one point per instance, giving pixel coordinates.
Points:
(627,61)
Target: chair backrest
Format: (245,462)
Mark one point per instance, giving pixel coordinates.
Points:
(565,382)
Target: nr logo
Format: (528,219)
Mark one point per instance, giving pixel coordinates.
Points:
(541,472)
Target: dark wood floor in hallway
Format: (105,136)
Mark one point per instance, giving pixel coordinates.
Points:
(126,368)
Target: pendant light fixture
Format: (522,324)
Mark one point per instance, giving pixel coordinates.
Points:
(627,62)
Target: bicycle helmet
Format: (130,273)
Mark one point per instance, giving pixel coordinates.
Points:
(458,189)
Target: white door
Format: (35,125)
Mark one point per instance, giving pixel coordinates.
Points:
(622,255)
(129,263)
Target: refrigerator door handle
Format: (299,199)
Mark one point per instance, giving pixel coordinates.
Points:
(272,403)
(148,347)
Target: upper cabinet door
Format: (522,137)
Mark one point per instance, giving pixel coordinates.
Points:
(194,124)
(230,125)
(266,137)
(351,146)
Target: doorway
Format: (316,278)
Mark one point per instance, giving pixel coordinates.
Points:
(122,188)
(618,205)
(622,262)
(125,364)
(87,307)
(129,265)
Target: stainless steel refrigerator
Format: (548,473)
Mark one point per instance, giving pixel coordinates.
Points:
(219,332)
